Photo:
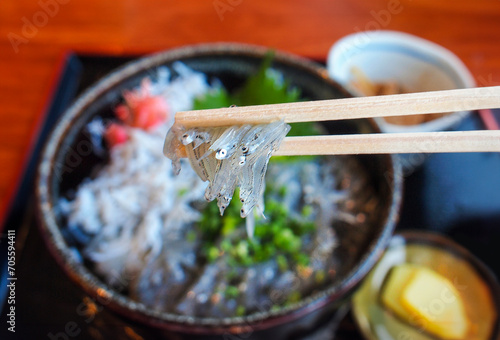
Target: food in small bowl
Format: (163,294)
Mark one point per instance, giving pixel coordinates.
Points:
(427,287)
(390,62)
(123,226)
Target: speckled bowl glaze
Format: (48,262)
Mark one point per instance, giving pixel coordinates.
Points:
(60,170)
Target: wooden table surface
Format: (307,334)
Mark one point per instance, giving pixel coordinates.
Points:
(34,34)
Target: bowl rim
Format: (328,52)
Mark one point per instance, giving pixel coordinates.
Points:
(355,43)
(131,309)
(437,239)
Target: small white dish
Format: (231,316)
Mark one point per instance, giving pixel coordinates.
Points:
(415,63)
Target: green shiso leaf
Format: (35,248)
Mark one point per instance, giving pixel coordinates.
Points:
(213,100)
(267,86)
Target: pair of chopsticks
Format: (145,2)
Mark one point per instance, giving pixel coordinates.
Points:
(365,107)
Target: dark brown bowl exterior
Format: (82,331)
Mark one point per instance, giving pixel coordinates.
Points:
(59,170)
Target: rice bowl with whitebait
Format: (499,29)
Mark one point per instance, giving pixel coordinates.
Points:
(132,219)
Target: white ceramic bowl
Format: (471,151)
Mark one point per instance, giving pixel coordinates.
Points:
(415,63)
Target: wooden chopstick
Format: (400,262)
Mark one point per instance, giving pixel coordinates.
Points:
(347,108)
(392,143)
(365,107)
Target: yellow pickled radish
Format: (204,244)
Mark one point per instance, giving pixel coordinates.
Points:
(432,297)
(393,288)
(426,299)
